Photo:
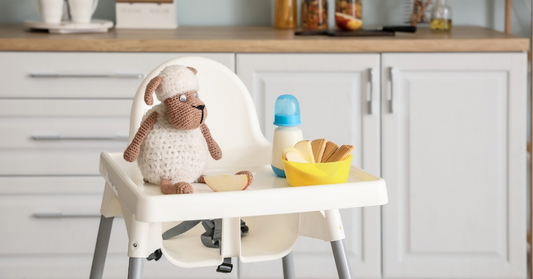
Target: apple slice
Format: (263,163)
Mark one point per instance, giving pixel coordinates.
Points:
(347,22)
(293,155)
(225,183)
(304,146)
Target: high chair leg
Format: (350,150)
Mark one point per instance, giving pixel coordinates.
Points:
(288,266)
(100,251)
(341,261)
(135,269)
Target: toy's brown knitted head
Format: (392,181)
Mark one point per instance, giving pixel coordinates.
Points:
(177,88)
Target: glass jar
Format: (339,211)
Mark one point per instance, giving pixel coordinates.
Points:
(314,14)
(441,16)
(285,15)
(348,14)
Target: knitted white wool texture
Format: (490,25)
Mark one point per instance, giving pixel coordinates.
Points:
(176,79)
(169,153)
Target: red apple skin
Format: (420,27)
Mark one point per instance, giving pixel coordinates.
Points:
(247,183)
(341,22)
(347,22)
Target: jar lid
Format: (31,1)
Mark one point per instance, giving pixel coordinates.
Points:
(287,111)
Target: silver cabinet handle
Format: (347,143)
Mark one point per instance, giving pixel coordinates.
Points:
(391,95)
(54,215)
(56,75)
(58,137)
(370,89)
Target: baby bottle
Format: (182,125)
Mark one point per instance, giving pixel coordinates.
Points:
(287,118)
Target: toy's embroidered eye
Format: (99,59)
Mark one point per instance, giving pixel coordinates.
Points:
(183,98)
(195,95)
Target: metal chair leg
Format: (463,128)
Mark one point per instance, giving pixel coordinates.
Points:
(135,269)
(100,251)
(341,261)
(288,266)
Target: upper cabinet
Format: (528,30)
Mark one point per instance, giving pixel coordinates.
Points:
(339,101)
(454,158)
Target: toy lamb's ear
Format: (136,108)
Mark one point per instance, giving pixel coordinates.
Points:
(193,70)
(150,88)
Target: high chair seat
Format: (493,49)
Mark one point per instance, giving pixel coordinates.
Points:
(276,213)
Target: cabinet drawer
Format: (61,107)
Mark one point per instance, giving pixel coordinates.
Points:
(49,185)
(54,225)
(62,248)
(82,75)
(58,137)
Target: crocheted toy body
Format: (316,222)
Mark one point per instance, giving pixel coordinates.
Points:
(169,153)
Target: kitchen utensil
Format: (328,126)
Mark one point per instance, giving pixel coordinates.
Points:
(81,11)
(50,10)
(306,174)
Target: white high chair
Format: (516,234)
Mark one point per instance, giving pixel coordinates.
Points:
(275,213)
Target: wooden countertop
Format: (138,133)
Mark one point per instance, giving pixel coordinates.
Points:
(258,39)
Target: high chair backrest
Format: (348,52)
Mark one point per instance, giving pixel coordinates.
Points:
(231,118)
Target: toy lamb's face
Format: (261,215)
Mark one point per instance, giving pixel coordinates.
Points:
(186,111)
(177,87)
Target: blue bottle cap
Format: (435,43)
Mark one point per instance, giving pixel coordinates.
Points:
(287,111)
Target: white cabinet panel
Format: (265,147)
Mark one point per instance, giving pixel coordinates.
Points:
(58,137)
(334,92)
(83,74)
(37,243)
(454,161)
(50,225)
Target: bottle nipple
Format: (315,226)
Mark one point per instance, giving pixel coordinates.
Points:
(287,111)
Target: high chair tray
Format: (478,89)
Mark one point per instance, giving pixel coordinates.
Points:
(267,195)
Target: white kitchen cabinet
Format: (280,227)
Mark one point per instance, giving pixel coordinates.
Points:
(452,152)
(454,159)
(58,111)
(339,101)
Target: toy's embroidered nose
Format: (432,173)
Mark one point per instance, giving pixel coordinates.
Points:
(200,107)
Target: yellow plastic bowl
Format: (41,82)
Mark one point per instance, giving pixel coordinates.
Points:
(305,174)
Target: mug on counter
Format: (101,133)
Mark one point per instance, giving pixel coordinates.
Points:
(50,10)
(81,11)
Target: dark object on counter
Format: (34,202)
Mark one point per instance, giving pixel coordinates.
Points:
(361,33)
(399,28)
(384,32)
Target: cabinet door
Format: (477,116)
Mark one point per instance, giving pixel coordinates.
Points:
(454,158)
(334,92)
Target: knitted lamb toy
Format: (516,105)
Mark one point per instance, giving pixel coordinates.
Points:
(173,142)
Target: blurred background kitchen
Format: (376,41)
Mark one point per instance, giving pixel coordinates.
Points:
(488,13)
